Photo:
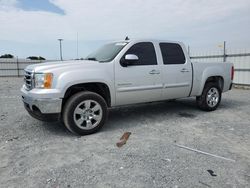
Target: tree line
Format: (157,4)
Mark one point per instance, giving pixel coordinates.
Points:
(9,56)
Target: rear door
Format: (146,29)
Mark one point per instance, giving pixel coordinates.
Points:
(140,81)
(176,71)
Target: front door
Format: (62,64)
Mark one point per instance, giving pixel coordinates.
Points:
(140,81)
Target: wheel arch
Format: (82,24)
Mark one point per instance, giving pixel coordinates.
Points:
(214,79)
(97,87)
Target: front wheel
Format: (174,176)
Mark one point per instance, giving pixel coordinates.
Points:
(210,98)
(85,113)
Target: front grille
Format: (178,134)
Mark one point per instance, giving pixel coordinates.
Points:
(28,80)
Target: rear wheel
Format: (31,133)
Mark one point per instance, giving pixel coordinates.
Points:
(85,113)
(210,98)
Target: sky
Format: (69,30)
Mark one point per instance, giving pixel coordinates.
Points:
(32,27)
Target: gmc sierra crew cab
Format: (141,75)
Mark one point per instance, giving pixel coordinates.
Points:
(79,92)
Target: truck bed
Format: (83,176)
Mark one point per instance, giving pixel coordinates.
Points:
(201,71)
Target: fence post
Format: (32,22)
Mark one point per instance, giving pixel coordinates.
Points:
(224,52)
(17,65)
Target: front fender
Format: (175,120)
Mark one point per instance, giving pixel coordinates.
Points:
(73,77)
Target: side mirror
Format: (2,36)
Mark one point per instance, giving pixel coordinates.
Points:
(129,59)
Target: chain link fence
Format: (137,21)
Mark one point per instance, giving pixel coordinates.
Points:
(14,67)
(240,59)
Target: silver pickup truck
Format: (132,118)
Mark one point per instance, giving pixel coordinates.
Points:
(79,92)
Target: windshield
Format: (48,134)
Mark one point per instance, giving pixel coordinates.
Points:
(107,52)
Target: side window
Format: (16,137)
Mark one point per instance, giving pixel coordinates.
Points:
(145,52)
(172,53)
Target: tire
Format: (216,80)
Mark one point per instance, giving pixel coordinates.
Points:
(85,113)
(210,97)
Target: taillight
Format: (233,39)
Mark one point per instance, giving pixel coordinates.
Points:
(232,73)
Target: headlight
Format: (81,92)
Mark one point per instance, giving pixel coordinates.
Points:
(43,80)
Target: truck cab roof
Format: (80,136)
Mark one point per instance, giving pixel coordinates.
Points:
(149,40)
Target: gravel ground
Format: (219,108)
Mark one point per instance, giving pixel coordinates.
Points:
(37,154)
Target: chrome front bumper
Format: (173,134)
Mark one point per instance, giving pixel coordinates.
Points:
(44,105)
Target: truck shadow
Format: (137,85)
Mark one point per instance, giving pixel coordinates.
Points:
(134,115)
(56,128)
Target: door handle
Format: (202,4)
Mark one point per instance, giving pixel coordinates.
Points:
(184,70)
(154,72)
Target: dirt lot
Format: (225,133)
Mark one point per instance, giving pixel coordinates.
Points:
(37,154)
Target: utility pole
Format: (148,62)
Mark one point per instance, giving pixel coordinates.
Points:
(77,46)
(224,52)
(60,41)
(17,64)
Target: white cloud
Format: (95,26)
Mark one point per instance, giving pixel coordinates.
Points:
(144,17)
(113,19)
(8,3)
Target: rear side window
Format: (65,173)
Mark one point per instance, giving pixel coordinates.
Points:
(145,52)
(172,53)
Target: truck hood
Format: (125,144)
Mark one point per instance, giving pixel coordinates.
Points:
(59,65)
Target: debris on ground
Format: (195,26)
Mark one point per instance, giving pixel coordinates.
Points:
(3,117)
(204,184)
(49,180)
(168,160)
(211,172)
(12,139)
(205,153)
(123,139)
